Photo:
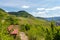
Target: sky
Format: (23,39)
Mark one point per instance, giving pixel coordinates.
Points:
(38,8)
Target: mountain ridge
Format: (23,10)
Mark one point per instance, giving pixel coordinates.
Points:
(21,14)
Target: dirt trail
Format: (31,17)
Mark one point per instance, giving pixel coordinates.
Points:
(23,36)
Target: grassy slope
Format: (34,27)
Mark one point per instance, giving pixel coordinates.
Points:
(33,21)
(37,26)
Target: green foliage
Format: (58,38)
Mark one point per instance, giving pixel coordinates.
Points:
(25,27)
(13,20)
(21,14)
(57,36)
(4,33)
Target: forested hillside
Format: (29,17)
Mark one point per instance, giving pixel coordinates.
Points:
(22,21)
(21,14)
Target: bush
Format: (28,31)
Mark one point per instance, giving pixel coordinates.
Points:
(25,27)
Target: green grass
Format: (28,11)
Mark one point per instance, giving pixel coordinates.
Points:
(35,29)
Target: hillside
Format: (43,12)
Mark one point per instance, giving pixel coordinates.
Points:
(21,14)
(33,28)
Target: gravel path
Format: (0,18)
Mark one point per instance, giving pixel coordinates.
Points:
(23,36)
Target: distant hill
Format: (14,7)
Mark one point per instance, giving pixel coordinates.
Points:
(21,14)
(53,18)
(56,19)
(50,18)
(40,18)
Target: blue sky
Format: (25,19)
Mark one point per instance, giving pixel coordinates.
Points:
(38,8)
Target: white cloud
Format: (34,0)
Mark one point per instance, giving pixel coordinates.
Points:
(25,6)
(40,8)
(49,9)
(13,3)
(54,8)
(47,12)
(39,14)
(43,12)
